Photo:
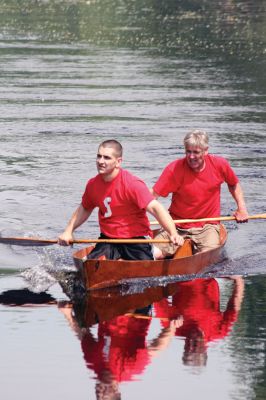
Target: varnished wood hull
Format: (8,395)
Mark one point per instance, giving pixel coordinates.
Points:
(98,274)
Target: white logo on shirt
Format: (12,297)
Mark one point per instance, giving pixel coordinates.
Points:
(107,202)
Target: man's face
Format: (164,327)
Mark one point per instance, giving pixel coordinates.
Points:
(195,157)
(107,161)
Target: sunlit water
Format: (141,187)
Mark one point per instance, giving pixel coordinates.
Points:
(66,85)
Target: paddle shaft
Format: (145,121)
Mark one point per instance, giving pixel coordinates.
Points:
(228,218)
(135,315)
(46,242)
(29,241)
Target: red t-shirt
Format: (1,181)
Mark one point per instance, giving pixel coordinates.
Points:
(198,301)
(122,205)
(195,194)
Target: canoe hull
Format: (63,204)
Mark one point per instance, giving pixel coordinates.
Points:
(98,274)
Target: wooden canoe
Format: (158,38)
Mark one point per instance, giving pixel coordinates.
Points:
(97,274)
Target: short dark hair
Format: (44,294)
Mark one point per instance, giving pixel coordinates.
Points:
(114,144)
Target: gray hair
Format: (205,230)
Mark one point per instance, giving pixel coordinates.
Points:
(197,138)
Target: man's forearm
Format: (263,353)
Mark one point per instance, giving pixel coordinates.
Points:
(162,216)
(78,218)
(237,193)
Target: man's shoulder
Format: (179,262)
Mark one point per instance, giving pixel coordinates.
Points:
(217,160)
(93,180)
(128,176)
(133,184)
(178,163)
(220,164)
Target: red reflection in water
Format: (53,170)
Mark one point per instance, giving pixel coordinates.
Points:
(120,350)
(198,302)
(120,347)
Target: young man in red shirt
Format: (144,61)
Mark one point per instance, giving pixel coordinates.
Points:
(122,200)
(195,184)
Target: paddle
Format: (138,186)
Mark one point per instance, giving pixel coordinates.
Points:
(28,241)
(141,316)
(31,241)
(229,218)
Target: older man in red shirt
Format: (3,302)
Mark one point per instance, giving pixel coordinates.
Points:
(195,185)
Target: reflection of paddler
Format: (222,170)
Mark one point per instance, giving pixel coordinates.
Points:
(120,347)
(120,351)
(198,302)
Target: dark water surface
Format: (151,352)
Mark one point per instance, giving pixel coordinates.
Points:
(74,73)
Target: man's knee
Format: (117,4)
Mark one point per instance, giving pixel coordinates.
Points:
(206,239)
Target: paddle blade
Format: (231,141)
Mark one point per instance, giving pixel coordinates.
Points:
(20,241)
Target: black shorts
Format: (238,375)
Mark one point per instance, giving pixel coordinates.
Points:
(126,251)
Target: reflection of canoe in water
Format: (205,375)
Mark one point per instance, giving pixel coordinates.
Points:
(103,305)
(98,274)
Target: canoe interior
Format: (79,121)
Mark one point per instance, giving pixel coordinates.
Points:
(98,274)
